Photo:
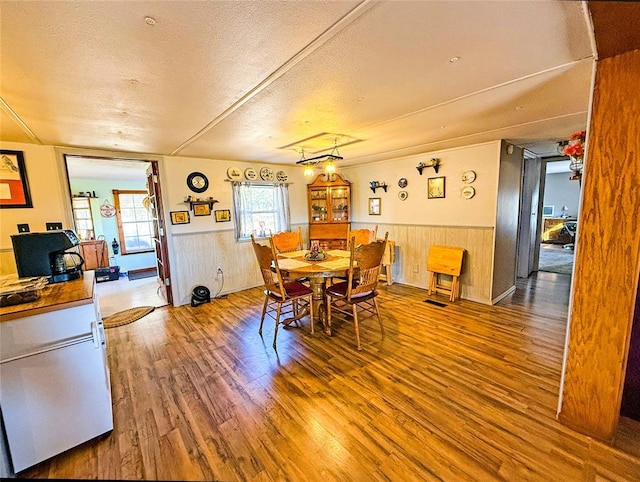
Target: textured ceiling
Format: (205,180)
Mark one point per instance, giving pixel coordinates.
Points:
(253,80)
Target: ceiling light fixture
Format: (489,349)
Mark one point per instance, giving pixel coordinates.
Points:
(327,159)
(150,20)
(454,59)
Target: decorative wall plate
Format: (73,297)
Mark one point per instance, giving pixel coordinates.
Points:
(468,192)
(107,210)
(468,176)
(403,195)
(251,174)
(266,174)
(197,182)
(234,173)
(281,176)
(402,182)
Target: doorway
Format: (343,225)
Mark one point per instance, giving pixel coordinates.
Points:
(560,204)
(548,216)
(118,218)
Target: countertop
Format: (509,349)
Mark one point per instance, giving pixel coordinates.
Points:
(53,297)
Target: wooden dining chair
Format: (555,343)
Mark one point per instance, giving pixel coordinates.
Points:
(287,241)
(362,236)
(359,291)
(281,296)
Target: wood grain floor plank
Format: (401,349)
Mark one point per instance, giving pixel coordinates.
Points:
(460,392)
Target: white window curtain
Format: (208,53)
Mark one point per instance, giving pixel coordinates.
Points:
(260,208)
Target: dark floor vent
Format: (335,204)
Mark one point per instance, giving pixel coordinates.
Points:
(437,303)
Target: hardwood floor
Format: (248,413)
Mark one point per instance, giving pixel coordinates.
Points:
(461,392)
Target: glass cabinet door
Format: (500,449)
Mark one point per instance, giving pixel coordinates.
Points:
(318,205)
(339,203)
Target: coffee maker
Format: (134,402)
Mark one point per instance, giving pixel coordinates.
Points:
(45,254)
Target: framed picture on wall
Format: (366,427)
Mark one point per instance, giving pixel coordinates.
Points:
(375,206)
(223,215)
(202,209)
(435,187)
(179,217)
(14,186)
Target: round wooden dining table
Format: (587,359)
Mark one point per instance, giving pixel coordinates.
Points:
(294,264)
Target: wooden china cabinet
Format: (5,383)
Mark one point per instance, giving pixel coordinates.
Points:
(329,211)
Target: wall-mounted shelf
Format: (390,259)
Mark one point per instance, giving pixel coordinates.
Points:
(192,202)
(434,162)
(373,185)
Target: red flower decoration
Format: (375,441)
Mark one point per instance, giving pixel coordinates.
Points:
(575,148)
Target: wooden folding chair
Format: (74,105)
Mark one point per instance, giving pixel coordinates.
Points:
(445,260)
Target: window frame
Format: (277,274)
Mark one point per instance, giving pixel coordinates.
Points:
(121,237)
(281,213)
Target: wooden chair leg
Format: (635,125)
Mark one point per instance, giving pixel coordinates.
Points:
(355,324)
(310,301)
(375,303)
(264,310)
(275,333)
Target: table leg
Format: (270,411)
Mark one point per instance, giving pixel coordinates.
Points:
(319,286)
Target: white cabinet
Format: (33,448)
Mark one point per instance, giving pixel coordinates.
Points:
(55,390)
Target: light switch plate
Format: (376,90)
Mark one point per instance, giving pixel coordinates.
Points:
(23,228)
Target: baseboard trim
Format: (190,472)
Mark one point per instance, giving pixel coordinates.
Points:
(503,295)
(141,270)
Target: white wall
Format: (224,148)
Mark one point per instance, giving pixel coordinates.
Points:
(560,191)
(197,248)
(46,194)
(176,170)
(453,210)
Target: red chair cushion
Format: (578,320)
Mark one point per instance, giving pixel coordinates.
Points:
(340,289)
(293,290)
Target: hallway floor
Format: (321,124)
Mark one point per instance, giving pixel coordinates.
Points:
(121,294)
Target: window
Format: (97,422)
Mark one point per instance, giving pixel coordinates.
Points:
(134,221)
(82,217)
(260,209)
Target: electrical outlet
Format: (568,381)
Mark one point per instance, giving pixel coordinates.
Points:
(53,226)
(415,268)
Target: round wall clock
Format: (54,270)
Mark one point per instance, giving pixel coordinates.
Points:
(197,182)
(402,182)
(251,174)
(266,174)
(468,176)
(468,192)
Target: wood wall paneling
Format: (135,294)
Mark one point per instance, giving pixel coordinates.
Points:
(616,26)
(607,254)
(412,246)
